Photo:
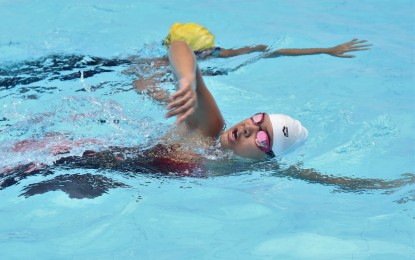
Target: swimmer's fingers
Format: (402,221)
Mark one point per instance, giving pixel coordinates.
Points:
(183,109)
(181,104)
(353,45)
(183,116)
(178,94)
(358,45)
(185,86)
(359,48)
(356,41)
(181,97)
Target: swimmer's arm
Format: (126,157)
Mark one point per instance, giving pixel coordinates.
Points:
(226,53)
(336,51)
(149,86)
(139,63)
(347,183)
(157,62)
(192,102)
(183,63)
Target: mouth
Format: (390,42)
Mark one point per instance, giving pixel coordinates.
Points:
(233,135)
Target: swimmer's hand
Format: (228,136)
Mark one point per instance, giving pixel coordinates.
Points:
(183,103)
(353,45)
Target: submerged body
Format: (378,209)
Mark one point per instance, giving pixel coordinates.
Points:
(166,161)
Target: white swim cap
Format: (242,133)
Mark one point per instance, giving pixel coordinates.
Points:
(288,133)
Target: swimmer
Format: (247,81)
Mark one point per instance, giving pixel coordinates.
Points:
(200,124)
(257,137)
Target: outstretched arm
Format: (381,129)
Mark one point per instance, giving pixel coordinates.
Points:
(346,183)
(337,51)
(192,102)
(226,53)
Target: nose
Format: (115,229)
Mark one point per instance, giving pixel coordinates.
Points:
(249,129)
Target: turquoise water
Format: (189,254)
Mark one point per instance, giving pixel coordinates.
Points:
(359,113)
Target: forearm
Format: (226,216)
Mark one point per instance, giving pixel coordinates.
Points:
(348,183)
(225,53)
(193,105)
(297,52)
(182,61)
(336,51)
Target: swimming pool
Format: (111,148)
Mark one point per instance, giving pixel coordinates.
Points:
(359,113)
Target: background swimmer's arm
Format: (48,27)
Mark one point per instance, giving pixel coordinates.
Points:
(226,53)
(192,102)
(337,51)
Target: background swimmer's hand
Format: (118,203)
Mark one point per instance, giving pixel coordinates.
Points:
(353,45)
(184,101)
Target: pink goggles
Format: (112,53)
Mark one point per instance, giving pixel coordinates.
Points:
(262,139)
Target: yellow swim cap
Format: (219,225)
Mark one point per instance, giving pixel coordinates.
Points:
(197,36)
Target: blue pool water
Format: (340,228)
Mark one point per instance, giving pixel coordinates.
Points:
(359,113)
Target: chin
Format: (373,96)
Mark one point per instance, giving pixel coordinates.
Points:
(223,141)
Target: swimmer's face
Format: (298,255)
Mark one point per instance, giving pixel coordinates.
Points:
(241,138)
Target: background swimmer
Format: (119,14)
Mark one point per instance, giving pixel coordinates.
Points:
(152,71)
(203,44)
